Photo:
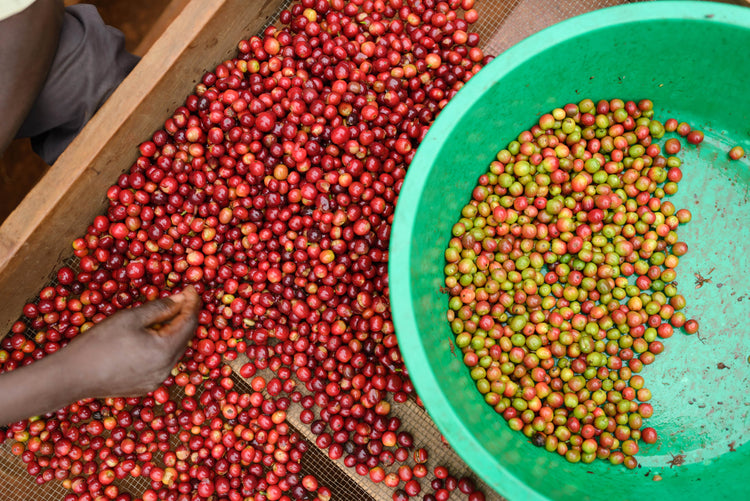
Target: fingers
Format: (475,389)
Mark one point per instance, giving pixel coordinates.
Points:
(189,302)
(157,312)
(188,299)
(182,326)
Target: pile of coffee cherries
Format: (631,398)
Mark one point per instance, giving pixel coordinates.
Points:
(561,274)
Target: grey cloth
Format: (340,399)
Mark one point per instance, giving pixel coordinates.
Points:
(90,63)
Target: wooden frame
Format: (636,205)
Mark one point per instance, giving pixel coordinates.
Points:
(37,236)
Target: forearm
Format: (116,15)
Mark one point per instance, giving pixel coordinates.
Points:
(28,41)
(43,386)
(123,356)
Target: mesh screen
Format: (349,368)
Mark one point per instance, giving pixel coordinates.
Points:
(504,23)
(17,485)
(315,462)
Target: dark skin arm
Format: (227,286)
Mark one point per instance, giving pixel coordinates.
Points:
(128,354)
(28,41)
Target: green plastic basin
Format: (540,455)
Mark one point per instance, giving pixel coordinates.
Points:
(693,60)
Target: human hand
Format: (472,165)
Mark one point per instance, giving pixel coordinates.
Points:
(128,354)
(133,351)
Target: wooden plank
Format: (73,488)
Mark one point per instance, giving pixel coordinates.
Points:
(37,235)
(160,26)
(20,169)
(336,475)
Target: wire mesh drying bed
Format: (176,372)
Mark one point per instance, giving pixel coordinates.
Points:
(501,25)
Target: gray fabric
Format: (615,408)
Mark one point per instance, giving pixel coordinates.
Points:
(90,63)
